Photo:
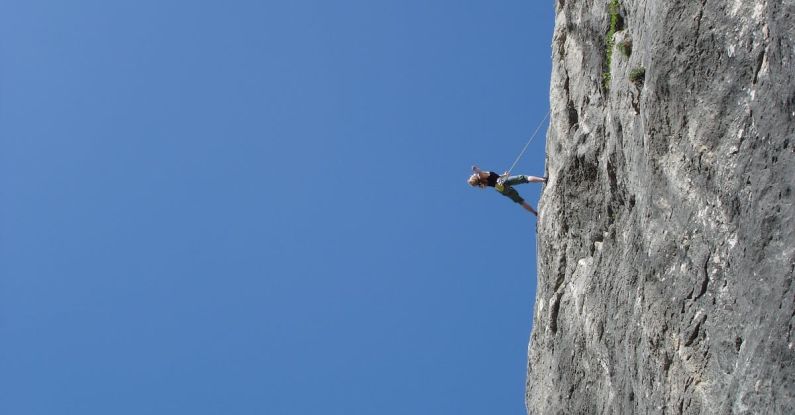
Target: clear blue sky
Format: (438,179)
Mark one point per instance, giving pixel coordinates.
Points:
(260,207)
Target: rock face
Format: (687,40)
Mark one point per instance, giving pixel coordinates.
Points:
(666,236)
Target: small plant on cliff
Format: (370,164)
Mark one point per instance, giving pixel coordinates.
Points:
(625,47)
(637,76)
(616,24)
(606,80)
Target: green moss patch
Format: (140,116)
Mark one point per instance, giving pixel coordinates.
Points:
(637,76)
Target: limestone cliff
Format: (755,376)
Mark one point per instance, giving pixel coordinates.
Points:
(666,237)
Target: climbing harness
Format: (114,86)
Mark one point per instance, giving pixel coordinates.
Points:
(508,173)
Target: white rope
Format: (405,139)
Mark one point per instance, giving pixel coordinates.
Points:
(508,173)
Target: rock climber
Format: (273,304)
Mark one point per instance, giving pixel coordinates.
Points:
(504,184)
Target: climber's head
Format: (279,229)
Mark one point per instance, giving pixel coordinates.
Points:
(476,181)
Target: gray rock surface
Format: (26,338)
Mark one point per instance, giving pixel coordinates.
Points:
(666,236)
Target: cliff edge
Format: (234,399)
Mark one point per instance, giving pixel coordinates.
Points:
(666,237)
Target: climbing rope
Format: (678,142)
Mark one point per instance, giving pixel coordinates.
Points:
(508,173)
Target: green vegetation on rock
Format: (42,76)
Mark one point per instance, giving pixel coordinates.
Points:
(637,75)
(625,47)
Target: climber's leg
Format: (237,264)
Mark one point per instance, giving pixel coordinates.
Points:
(520,179)
(530,208)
